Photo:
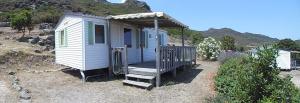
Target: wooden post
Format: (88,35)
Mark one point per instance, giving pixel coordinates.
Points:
(157,52)
(108,39)
(126,60)
(183,49)
(142,44)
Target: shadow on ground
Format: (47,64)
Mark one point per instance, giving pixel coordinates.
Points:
(186,75)
(99,75)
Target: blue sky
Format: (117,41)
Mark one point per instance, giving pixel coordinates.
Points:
(274,18)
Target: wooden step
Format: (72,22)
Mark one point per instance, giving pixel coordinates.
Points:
(143,71)
(140,76)
(135,83)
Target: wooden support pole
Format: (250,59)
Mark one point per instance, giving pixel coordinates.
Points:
(183,49)
(157,52)
(126,60)
(108,39)
(142,45)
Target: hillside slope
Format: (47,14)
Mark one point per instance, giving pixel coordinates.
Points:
(245,39)
(51,10)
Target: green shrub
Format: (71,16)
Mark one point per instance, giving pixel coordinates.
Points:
(209,48)
(255,79)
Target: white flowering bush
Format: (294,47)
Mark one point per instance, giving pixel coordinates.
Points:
(209,48)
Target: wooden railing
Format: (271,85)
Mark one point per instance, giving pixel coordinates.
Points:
(120,66)
(172,57)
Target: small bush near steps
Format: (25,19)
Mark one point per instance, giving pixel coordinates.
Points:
(255,79)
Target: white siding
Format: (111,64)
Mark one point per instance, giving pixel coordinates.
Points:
(117,40)
(149,53)
(71,55)
(284,59)
(96,55)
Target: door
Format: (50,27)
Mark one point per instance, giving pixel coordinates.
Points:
(130,40)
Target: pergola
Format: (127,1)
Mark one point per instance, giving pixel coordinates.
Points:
(152,19)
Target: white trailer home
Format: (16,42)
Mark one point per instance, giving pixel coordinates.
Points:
(288,60)
(87,42)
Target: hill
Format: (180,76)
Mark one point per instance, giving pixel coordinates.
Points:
(244,39)
(51,10)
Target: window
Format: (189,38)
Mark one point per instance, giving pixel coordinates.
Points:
(63,38)
(99,34)
(127,37)
(90,33)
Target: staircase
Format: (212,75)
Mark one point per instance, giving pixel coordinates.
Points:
(141,77)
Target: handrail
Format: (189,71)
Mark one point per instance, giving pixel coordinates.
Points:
(172,57)
(124,59)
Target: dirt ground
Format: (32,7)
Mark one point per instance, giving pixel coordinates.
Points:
(189,86)
(295,76)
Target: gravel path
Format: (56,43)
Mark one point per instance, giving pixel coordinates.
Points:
(190,86)
(295,74)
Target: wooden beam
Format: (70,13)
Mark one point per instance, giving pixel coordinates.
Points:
(108,40)
(157,52)
(141,45)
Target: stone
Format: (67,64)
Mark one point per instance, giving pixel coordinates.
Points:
(1,44)
(37,51)
(12,73)
(6,38)
(52,51)
(34,40)
(24,94)
(41,42)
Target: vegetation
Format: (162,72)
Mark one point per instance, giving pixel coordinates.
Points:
(227,55)
(50,10)
(209,48)
(21,21)
(255,79)
(195,36)
(228,43)
(288,44)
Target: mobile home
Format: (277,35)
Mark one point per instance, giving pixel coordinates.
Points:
(87,42)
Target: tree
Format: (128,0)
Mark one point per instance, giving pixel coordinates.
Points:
(228,43)
(287,44)
(22,20)
(197,38)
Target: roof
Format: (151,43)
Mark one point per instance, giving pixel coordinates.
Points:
(77,15)
(147,19)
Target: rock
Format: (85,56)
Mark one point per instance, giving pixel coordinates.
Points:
(1,44)
(41,43)
(52,51)
(6,38)
(37,51)
(17,87)
(46,26)
(12,73)
(34,40)
(4,24)
(24,94)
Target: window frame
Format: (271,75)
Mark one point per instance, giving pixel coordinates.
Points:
(94,32)
(104,36)
(63,42)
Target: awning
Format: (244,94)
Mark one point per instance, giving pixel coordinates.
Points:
(147,19)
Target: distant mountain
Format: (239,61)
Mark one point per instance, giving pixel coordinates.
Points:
(244,39)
